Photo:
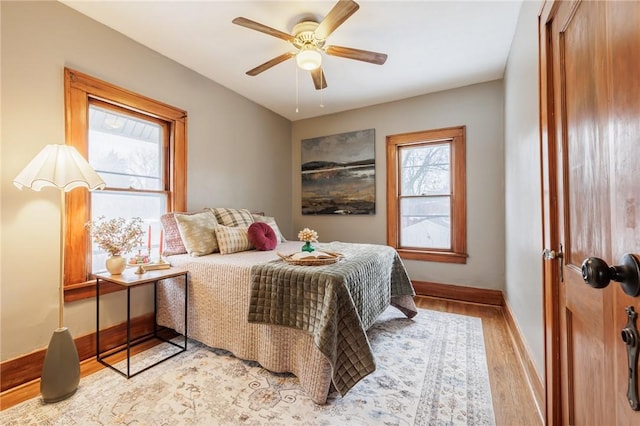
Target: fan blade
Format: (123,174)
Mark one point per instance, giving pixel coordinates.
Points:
(340,12)
(318,78)
(273,62)
(253,25)
(357,54)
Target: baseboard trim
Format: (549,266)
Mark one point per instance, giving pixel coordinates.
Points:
(461,293)
(23,369)
(522,350)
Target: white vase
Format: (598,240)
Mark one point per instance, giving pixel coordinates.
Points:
(116,264)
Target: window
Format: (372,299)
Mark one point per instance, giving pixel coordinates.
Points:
(426,207)
(128,150)
(138,147)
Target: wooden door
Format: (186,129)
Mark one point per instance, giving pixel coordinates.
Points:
(590,117)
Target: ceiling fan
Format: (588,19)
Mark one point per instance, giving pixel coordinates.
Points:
(309,39)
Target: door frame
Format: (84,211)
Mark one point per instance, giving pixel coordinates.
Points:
(550,218)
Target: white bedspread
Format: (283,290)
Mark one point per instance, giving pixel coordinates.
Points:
(219,297)
(219,294)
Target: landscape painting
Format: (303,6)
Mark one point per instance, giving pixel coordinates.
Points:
(339,174)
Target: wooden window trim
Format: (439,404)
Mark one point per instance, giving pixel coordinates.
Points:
(456,136)
(79,89)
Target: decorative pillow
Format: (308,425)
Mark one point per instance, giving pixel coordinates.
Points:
(232,239)
(272,223)
(172,240)
(233,217)
(262,236)
(198,232)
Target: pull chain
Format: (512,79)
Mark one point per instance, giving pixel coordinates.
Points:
(321,88)
(297,101)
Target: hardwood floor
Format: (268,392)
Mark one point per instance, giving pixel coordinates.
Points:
(513,400)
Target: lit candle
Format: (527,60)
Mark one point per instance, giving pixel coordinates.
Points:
(149,240)
(160,251)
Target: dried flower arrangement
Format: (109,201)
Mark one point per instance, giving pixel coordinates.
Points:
(116,236)
(308,235)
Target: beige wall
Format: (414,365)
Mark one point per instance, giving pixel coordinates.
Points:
(227,167)
(522,194)
(480,108)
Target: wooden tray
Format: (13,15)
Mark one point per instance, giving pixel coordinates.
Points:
(330,258)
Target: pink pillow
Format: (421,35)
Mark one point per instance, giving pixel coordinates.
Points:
(172,240)
(262,236)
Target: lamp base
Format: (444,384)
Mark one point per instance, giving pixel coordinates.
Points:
(61,368)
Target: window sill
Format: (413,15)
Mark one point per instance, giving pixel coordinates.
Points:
(87,290)
(432,256)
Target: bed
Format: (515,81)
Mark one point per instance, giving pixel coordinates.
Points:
(289,318)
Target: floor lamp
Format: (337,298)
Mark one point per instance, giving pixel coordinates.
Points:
(62,167)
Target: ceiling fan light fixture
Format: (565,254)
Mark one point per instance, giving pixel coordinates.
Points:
(309,58)
(309,37)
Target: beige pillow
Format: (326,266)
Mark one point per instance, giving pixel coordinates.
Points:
(198,232)
(232,239)
(272,223)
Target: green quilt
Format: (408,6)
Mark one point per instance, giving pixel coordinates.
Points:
(335,303)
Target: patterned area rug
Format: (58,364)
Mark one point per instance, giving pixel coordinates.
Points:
(431,370)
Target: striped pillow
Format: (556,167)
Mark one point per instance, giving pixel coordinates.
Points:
(232,239)
(233,217)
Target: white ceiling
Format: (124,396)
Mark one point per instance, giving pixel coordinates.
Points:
(431,46)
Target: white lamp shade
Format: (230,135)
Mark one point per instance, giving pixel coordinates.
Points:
(309,58)
(60,166)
